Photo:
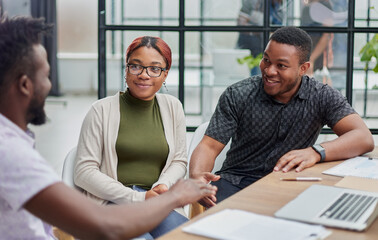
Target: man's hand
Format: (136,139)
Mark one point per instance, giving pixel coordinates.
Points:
(191,190)
(303,158)
(207,177)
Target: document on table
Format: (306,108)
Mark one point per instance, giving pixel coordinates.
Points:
(358,167)
(233,224)
(365,184)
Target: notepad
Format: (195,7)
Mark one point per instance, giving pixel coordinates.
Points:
(232,224)
(365,184)
(358,167)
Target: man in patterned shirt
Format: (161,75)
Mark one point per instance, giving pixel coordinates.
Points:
(31,194)
(275,119)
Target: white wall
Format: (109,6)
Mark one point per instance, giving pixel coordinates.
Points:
(78,73)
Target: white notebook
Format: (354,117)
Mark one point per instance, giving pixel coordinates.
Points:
(358,167)
(233,224)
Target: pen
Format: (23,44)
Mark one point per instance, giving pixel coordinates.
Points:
(302,179)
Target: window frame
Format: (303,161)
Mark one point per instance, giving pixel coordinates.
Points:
(181,29)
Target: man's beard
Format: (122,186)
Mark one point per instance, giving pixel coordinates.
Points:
(36,112)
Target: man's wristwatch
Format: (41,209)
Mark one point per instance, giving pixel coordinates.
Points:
(319,149)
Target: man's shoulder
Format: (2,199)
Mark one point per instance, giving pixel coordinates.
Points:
(8,137)
(13,147)
(313,86)
(248,84)
(250,81)
(244,89)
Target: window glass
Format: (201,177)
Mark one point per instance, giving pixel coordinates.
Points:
(324,13)
(212,12)
(365,83)
(142,12)
(209,53)
(212,65)
(329,58)
(236,12)
(77,29)
(366,13)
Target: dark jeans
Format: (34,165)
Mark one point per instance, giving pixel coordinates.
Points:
(226,188)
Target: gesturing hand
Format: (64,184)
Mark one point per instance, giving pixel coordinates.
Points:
(207,177)
(191,190)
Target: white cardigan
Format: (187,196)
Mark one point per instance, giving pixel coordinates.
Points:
(96,159)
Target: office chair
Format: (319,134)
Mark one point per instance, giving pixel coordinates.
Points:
(68,179)
(68,169)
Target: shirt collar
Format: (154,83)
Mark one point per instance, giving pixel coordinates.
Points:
(26,135)
(304,89)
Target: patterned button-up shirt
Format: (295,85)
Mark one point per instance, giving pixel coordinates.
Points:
(263,129)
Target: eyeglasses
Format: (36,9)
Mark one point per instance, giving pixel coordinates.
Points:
(152,71)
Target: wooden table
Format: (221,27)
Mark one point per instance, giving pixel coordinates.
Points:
(269,194)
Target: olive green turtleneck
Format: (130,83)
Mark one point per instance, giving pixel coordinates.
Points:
(141,146)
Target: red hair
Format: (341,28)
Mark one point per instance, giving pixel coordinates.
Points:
(155,42)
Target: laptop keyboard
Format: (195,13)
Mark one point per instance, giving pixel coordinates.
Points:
(348,207)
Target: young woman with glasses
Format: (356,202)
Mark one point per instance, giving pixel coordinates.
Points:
(132,145)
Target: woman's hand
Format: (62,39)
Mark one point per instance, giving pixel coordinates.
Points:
(161,188)
(151,193)
(157,190)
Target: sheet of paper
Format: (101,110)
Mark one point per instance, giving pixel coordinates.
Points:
(358,167)
(365,184)
(232,224)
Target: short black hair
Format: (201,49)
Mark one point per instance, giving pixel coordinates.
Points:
(18,35)
(296,37)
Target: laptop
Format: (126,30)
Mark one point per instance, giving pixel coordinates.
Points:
(333,207)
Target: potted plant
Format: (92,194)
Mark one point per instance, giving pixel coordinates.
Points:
(250,60)
(369,51)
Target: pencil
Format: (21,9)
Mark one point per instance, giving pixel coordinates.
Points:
(302,179)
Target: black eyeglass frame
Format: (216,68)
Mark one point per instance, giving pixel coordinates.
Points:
(145,67)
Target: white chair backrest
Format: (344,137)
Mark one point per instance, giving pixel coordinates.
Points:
(196,139)
(68,169)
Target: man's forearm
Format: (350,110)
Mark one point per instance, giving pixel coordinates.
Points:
(135,219)
(349,145)
(204,155)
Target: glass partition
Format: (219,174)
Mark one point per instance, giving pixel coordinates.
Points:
(211,66)
(365,81)
(142,12)
(366,14)
(210,35)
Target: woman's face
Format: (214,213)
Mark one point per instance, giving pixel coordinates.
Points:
(143,86)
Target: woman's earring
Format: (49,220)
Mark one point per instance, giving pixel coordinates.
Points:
(165,86)
(124,83)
